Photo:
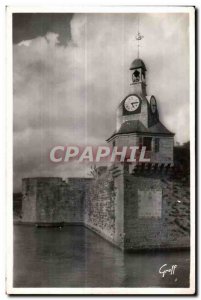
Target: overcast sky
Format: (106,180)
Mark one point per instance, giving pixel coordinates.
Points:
(72,71)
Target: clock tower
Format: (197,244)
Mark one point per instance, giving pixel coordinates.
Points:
(138,76)
(138,123)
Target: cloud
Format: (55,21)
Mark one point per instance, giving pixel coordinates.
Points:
(69,94)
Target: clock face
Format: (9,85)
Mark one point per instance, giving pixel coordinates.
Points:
(132,103)
(153,104)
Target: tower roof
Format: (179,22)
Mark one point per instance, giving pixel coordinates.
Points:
(137,63)
(135,126)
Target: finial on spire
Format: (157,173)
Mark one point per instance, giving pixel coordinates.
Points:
(138,37)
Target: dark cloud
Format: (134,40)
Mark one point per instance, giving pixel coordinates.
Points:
(28,26)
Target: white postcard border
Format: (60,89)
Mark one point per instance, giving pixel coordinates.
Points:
(9,146)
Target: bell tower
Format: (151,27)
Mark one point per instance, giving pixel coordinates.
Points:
(137,118)
(135,106)
(138,77)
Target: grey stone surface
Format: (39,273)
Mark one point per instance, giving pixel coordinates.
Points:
(109,205)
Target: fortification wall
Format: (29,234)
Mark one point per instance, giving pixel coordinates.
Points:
(156,213)
(50,199)
(29,190)
(131,211)
(102,213)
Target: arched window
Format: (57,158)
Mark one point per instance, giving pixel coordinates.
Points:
(136,76)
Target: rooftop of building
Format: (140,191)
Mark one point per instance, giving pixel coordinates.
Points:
(138,63)
(135,126)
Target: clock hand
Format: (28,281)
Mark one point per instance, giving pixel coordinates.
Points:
(132,103)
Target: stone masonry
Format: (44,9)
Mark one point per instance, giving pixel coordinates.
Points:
(132,211)
(50,199)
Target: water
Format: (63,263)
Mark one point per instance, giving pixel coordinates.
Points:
(76,257)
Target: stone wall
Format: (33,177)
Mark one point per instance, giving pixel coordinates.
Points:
(29,194)
(17,206)
(100,206)
(131,211)
(104,207)
(50,199)
(156,213)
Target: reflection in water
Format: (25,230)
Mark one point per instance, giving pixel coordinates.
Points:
(76,257)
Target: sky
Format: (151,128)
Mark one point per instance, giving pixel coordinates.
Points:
(70,72)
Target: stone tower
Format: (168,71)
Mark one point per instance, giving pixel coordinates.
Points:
(143,191)
(138,123)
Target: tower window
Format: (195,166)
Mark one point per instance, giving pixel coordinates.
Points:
(136,73)
(157,144)
(147,143)
(136,76)
(113,143)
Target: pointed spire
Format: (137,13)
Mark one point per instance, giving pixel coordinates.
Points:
(138,37)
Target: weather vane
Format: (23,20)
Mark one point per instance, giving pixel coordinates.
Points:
(138,37)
